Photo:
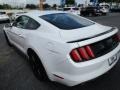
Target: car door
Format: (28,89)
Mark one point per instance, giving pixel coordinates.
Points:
(18,32)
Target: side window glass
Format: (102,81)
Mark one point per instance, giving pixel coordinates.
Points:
(25,21)
(32,24)
(21,22)
(17,21)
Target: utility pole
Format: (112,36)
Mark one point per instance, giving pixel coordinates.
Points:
(41,4)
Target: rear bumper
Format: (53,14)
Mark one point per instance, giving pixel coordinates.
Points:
(76,73)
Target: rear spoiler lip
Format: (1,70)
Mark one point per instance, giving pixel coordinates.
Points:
(113,28)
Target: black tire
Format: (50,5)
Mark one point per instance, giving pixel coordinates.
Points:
(37,67)
(7,40)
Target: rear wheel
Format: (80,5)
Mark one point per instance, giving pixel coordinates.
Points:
(37,67)
(6,37)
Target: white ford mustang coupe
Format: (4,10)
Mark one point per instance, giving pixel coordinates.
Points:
(64,47)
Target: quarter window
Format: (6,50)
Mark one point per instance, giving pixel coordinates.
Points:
(32,24)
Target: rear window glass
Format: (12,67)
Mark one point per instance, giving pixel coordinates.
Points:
(2,13)
(66,21)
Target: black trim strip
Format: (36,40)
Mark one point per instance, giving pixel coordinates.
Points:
(92,36)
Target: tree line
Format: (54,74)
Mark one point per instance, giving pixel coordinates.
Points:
(5,6)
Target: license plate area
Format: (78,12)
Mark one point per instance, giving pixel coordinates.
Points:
(112,60)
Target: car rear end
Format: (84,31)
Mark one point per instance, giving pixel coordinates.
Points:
(89,58)
(85,51)
(91,11)
(88,11)
(73,10)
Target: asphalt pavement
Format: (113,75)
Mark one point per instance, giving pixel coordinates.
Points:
(16,74)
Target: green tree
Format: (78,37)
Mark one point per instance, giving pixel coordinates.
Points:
(46,6)
(31,6)
(1,6)
(70,2)
(54,6)
(5,6)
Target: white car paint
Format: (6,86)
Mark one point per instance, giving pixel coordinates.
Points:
(3,17)
(104,9)
(50,44)
(17,14)
(72,10)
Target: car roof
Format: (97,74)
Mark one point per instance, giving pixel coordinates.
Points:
(38,13)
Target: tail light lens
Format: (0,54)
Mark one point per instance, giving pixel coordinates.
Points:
(92,51)
(117,37)
(82,54)
(75,55)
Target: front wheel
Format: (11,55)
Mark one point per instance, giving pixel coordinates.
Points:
(37,67)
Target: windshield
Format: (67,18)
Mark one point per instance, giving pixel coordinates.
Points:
(66,21)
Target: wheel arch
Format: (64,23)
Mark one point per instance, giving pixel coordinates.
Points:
(43,62)
(30,50)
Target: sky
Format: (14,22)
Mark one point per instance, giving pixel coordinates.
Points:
(56,1)
(36,1)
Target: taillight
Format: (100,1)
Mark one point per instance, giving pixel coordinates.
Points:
(89,51)
(82,54)
(117,37)
(75,55)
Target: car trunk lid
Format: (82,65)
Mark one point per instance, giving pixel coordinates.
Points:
(84,33)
